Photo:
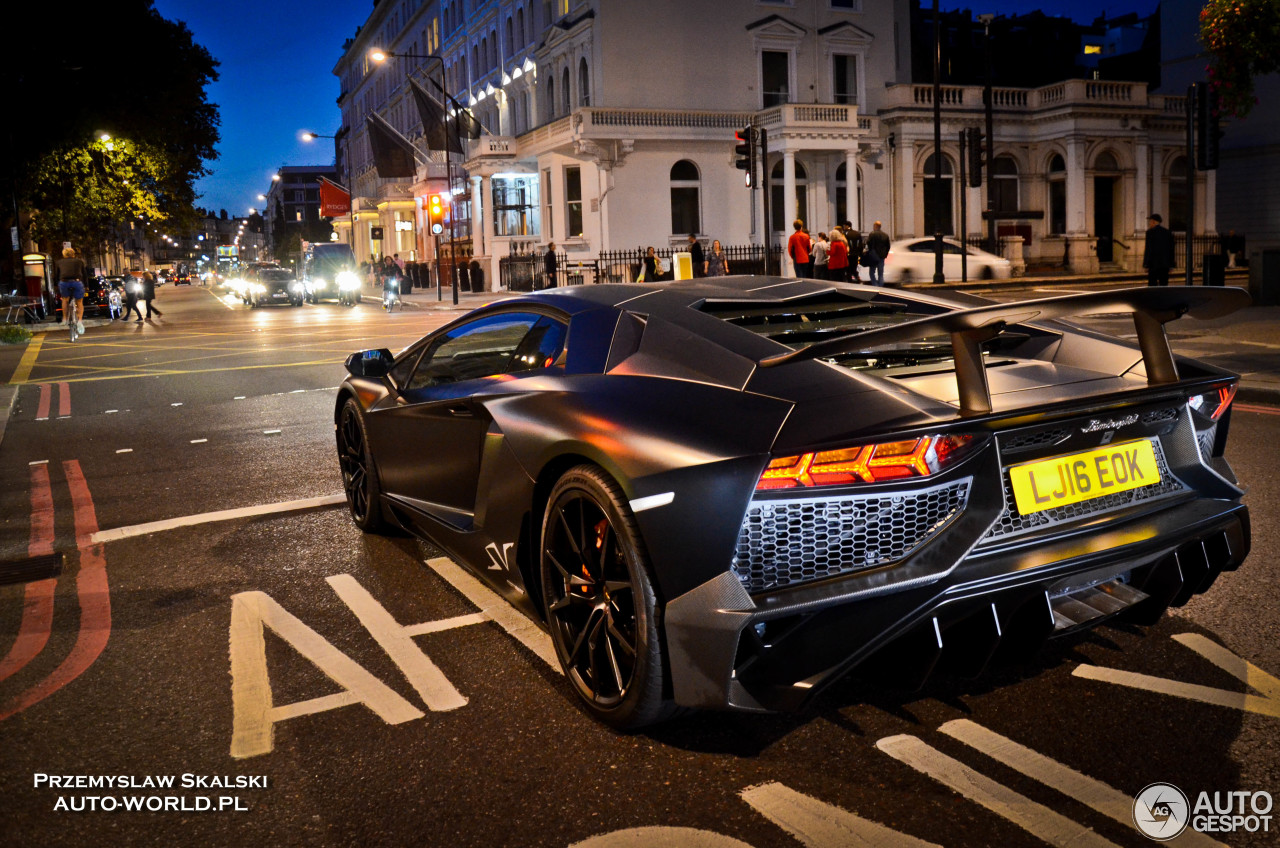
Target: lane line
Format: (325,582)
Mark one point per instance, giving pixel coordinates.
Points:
(1178,689)
(1089,791)
(493,605)
(37,602)
(42,409)
(1238,667)
(23,372)
(198,441)
(125,450)
(64,400)
(1262,410)
(1036,819)
(211,517)
(818,825)
(93,593)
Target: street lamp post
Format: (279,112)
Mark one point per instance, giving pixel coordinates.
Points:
(379,55)
(346,176)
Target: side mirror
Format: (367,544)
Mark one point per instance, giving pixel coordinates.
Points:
(370,363)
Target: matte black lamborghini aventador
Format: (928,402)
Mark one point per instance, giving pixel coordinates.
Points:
(729,493)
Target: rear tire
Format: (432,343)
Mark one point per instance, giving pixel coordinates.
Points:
(600,604)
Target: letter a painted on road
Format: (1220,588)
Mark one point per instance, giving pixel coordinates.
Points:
(255,716)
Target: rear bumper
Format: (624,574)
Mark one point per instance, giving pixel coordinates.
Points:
(728,650)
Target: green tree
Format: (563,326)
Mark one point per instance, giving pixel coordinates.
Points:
(116,68)
(1241,37)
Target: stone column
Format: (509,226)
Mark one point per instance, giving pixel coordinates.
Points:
(851,187)
(905,202)
(1082,258)
(788,200)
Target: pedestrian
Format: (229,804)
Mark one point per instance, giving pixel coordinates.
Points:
(838,258)
(798,249)
(696,256)
(69,273)
(550,265)
(1157,253)
(818,253)
(650,267)
(856,246)
(717,264)
(149,293)
(876,250)
(399,263)
(132,288)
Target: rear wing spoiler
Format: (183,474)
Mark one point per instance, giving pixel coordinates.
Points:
(1151,308)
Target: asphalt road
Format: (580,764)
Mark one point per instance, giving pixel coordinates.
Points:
(369,692)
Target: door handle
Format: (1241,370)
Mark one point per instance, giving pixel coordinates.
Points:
(461,410)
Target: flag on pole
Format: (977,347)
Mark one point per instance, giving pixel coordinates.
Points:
(334,199)
(392,152)
(468,126)
(434,127)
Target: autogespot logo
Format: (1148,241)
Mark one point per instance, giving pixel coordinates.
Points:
(1160,811)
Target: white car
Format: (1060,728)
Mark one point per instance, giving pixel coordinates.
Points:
(913,261)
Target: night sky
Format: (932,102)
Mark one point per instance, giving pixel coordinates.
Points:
(276,78)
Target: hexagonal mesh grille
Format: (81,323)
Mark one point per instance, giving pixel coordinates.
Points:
(785,542)
(1025,441)
(1012,522)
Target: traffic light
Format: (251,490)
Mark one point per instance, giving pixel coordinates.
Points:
(974,143)
(1207,130)
(435,212)
(745,150)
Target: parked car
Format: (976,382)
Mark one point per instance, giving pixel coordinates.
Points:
(272,284)
(913,261)
(97,292)
(730,493)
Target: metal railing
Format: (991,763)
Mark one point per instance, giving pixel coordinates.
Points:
(526,270)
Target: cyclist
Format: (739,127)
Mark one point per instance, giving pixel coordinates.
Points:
(70,271)
(391,292)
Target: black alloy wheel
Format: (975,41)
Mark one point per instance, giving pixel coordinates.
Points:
(359,475)
(600,603)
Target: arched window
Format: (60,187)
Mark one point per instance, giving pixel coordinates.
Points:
(551,98)
(937,192)
(564,83)
(1178,192)
(493,49)
(685,191)
(520,33)
(511,38)
(777,209)
(1057,195)
(475,59)
(483,64)
(1106,161)
(1004,184)
(584,84)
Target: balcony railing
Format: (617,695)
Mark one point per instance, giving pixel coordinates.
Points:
(1067,93)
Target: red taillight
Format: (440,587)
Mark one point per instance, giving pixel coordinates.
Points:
(1225,396)
(1214,403)
(878,463)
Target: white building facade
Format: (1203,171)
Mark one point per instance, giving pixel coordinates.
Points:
(609,125)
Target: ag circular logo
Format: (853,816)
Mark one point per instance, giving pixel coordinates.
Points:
(1161,811)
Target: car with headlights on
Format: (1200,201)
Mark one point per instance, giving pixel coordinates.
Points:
(731,493)
(329,271)
(913,260)
(265,285)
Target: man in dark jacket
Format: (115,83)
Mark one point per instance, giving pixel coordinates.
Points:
(550,265)
(696,256)
(1157,255)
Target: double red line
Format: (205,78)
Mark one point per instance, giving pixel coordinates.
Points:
(37,611)
(46,401)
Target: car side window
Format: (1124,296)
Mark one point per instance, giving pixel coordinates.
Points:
(540,348)
(481,348)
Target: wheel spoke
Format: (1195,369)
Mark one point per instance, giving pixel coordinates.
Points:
(614,668)
(621,638)
(568,533)
(571,580)
(583,636)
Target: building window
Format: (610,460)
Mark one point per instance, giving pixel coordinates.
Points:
(515,205)
(546,203)
(564,95)
(685,197)
(777,211)
(1057,196)
(584,84)
(520,33)
(937,191)
(1004,184)
(847,5)
(573,201)
(775,77)
(844,78)
(1178,195)
(551,99)
(842,196)
(511,37)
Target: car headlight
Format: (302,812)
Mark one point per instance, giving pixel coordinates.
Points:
(348,281)
(295,286)
(257,288)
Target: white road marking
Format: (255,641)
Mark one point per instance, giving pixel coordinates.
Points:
(210,517)
(1267,704)
(641,504)
(109,411)
(198,441)
(1089,791)
(297,391)
(423,675)
(661,837)
(491,604)
(125,450)
(238,397)
(46,418)
(816,824)
(254,715)
(176,404)
(1034,818)
(270,432)
(38,462)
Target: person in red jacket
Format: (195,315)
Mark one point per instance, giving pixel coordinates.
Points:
(838,258)
(798,250)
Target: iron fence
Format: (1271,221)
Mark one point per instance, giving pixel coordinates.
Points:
(525,268)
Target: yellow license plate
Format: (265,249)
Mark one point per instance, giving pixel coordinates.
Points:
(1083,476)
